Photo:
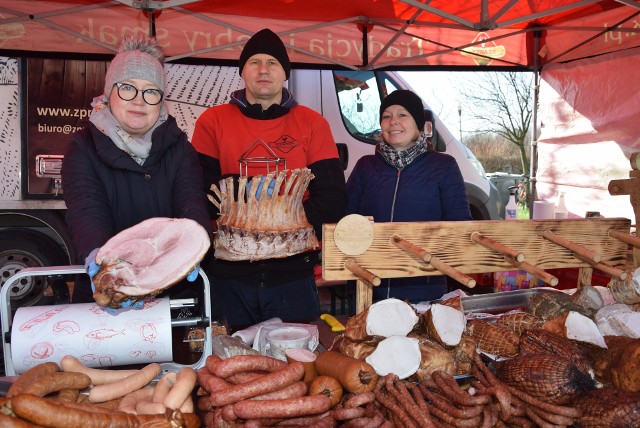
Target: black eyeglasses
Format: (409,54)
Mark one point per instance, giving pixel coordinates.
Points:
(128,92)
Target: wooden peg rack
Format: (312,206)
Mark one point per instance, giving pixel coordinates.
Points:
(478,246)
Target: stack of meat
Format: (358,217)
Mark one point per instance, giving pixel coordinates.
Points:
(265,218)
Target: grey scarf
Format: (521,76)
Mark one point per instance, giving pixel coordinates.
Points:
(137,148)
(400,159)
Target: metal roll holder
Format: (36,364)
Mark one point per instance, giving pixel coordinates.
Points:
(204,320)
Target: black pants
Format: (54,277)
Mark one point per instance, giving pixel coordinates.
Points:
(240,305)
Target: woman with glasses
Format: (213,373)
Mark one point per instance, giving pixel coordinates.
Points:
(132,162)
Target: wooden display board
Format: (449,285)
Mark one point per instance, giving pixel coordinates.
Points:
(473,247)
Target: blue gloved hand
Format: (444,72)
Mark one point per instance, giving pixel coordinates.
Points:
(91,266)
(193,274)
(92,269)
(272,184)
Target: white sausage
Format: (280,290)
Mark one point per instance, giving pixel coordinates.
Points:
(112,390)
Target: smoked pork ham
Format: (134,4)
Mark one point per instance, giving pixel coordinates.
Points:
(147,258)
(255,225)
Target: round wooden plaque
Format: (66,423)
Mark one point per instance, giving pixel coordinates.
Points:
(353,234)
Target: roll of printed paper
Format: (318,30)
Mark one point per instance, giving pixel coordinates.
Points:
(91,334)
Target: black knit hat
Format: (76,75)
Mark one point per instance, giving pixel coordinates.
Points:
(266,42)
(409,101)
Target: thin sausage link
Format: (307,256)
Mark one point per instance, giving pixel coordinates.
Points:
(539,421)
(398,415)
(446,406)
(418,397)
(457,422)
(450,388)
(571,412)
(477,373)
(554,418)
(406,401)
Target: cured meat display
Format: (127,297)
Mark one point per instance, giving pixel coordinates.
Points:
(145,259)
(263,218)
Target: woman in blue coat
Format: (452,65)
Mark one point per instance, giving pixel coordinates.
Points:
(405,180)
(132,162)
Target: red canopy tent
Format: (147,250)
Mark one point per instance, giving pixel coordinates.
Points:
(354,33)
(586,52)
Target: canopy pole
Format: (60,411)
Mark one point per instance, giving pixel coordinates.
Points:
(152,23)
(365,46)
(533,162)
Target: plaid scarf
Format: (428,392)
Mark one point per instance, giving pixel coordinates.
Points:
(400,159)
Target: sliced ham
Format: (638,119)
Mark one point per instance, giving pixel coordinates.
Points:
(145,259)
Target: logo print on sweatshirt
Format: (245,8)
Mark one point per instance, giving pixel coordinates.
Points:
(284,144)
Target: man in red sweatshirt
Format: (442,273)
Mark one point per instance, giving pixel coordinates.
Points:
(265,114)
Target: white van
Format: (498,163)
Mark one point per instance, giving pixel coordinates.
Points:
(350,101)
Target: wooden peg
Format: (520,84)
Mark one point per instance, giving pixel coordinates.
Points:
(497,246)
(627,238)
(578,250)
(609,270)
(546,277)
(423,255)
(362,273)
(364,295)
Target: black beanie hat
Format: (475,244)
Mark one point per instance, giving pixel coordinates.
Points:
(266,42)
(409,101)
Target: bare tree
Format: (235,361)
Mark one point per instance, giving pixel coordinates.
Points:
(502,103)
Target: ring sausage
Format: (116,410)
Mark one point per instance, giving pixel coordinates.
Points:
(57,381)
(284,408)
(7,421)
(267,383)
(68,395)
(55,414)
(109,391)
(30,376)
